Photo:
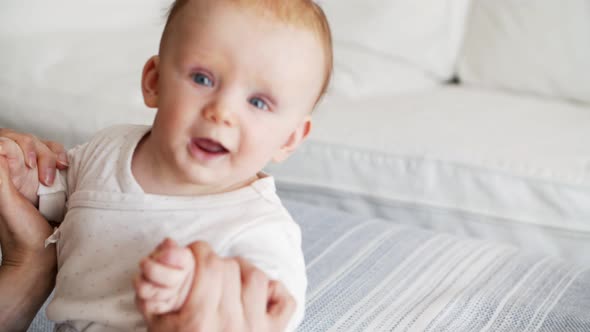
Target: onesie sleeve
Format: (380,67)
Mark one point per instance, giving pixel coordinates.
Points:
(275,248)
(52,200)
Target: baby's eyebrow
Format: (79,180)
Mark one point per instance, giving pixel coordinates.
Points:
(200,55)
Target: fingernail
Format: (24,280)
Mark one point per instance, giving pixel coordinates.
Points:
(62,158)
(49,176)
(32,159)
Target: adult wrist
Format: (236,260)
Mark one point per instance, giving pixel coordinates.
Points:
(27,257)
(25,286)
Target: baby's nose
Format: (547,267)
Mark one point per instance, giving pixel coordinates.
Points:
(220,114)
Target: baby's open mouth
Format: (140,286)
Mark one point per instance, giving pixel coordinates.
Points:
(209,146)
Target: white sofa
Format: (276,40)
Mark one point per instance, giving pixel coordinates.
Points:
(501,152)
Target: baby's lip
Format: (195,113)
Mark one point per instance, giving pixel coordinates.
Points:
(210,145)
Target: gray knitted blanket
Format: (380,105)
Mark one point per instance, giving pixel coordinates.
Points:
(373,275)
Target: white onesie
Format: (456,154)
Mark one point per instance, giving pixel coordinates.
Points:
(111,224)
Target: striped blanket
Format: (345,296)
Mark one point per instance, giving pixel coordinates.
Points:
(373,275)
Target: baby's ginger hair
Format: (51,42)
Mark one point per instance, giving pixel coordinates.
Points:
(299,13)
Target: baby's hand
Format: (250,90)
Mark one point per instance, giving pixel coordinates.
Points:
(165,279)
(25,179)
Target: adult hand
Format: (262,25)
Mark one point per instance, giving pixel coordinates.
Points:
(227,294)
(28,269)
(22,229)
(46,155)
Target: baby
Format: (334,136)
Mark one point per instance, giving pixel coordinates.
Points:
(234,85)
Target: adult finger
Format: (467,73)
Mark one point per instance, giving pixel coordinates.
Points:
(60,153)
(207,285)
(231,307)
(199,312)
(281,306)
(46,161)
(254,292)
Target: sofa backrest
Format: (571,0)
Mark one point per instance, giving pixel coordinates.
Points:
(381,46)
(394,46)
(532,46)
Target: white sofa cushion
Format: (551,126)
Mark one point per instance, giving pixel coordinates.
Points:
(538,46)
(391,46)
(463,160)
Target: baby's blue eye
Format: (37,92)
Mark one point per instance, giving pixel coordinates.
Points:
(202,80)
(259,103)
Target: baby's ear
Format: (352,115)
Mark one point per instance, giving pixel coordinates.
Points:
(149,81)
(295,139)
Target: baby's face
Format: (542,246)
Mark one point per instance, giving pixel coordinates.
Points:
(234,91)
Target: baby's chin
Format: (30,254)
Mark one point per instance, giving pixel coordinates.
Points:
(209,181)
(222,175)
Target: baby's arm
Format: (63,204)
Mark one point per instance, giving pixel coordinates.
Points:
(25,179)
(165,278)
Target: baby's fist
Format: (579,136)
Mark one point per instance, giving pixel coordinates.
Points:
(165,279)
